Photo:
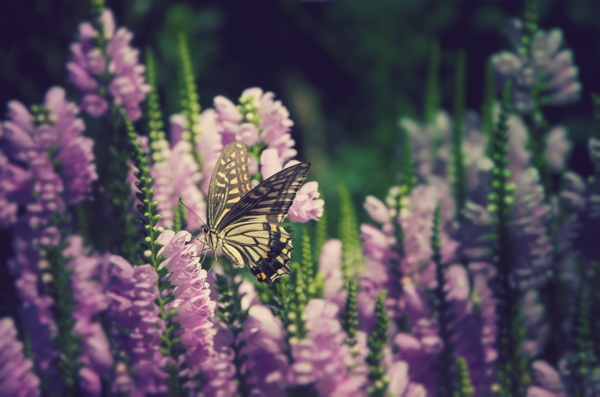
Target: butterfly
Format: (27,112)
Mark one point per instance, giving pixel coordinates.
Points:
(245,223)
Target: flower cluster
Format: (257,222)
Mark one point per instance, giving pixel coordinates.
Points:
(50,165)
(407,267)
(474,276)
(267,129)
(137,328)
(105,68)
(16,377)
(541,69)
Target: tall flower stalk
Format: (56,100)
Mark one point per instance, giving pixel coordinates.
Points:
(447,381)
(511,364)
(57,164)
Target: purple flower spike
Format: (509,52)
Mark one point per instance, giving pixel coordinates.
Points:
(265,346)
(330,266)
(270,163)
(529,230)
(558,148)
(258,119)
(57,136)
(192,301)
(379,259)
(422,139)
(400,383)
(208,145)
(322,357)
(16,376)
(132,293)
(13,187)
(274,121)
(89,297)
(113,69)
(307,205)
(546,65)
(531,218)
(177,176)
(550,382)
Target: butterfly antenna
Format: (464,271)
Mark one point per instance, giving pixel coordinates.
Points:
(188,208)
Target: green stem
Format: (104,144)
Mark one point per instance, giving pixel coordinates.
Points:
(68,343)
(446,361)
(377,343)
(458,131)
(189,98)
(511,364)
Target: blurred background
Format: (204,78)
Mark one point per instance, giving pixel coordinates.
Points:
(346,70)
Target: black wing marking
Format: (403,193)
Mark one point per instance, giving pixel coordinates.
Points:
(230,182)
(273,198)
(263,247)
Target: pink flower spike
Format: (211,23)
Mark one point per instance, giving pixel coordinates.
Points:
(94,105)
(270,163)
(307,204)
(377,210)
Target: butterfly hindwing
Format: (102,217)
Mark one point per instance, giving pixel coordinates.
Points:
(251,230)
(265,251)
(229,183)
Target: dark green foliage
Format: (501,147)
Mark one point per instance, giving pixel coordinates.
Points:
(96,7)
(296,302)
(511,364)
(377,343)
(321,233)
(395,269)
(308,390)
(433,97)
(350,314)
(287,299)
(349,234)
(443,312)
(56,281)
(309,269)
(189,97)
(535,119)
(582,361)
(596,105)
(230,313)
(458,177)
(465,387)
(179,218)
(408,179)
(596,133)
(594,295)
(489,99)
(530,27)
(124,230)
(154,114)
(147,208)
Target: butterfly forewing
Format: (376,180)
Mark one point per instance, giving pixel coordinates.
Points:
(271,200)
(229,183)
(249,226)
